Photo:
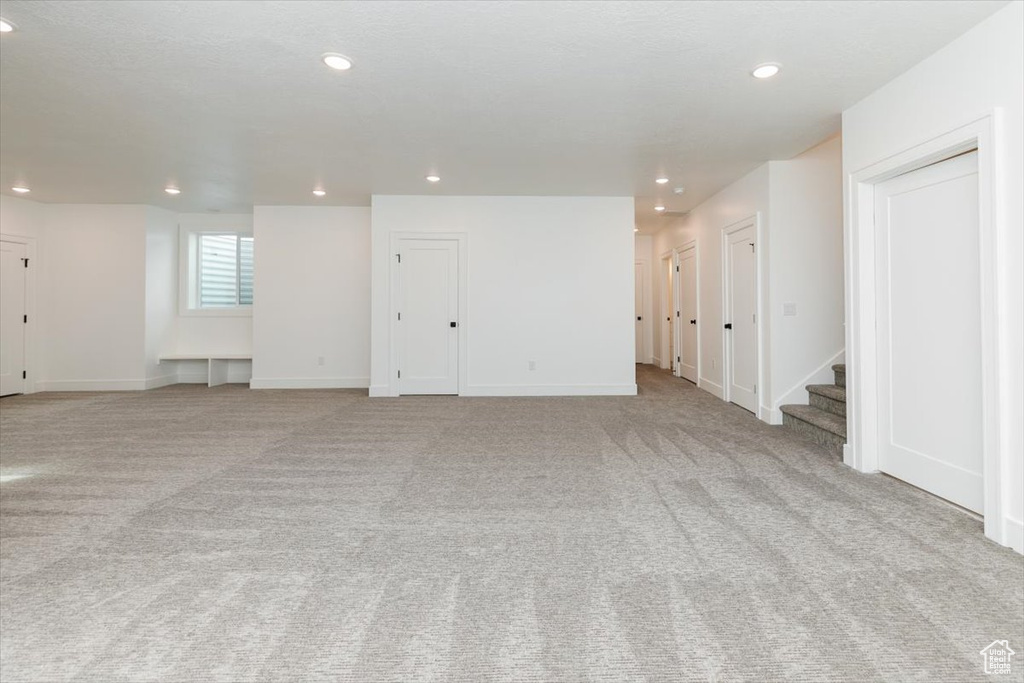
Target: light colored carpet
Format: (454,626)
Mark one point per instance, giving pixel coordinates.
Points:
(195,534)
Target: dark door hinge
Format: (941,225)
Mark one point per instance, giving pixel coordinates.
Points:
(399,316)
(399,374)
(399,257)
(26,262)
(24,374)
(25,319)
(677,269)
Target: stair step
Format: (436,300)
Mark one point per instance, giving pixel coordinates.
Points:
(839,370)
(824,397)
(836,393)
(822,419)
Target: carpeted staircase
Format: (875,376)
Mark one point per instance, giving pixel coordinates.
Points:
(824,420)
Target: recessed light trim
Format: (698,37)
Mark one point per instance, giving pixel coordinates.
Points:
(766,70)
(433,178)
(172,190)
(659,207)
(7,27)
(21,189)
(661,181)
(337,61)
(319,193)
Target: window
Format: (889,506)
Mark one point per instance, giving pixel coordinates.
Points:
(224,271)
(220,271)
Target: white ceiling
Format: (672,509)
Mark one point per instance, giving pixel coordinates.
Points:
(110,101)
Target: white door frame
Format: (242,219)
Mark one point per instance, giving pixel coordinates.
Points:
(31,368)
(677,293)
(393,303)
(753,221)
(862,449)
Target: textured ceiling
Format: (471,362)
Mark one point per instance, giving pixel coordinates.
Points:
(111,101)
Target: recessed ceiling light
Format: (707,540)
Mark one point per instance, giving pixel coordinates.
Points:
(679,190)
(172,190)
(661,181)
(319,192)
(659,207)
(6,26)
(765,70)
(337,61)
(20,189)
(433,178)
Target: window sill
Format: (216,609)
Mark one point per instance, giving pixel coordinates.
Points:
(241,312)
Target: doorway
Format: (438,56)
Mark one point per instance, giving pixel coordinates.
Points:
(928,303)
(740,314)
(427,316)
(688,316)
(13,263)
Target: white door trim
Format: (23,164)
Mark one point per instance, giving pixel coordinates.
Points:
(755,222)
(393,304)
(677,293)
(861,453)
(31,310)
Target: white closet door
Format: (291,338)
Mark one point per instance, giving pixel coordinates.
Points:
(740,317)
(929,322)
(12,318)
(428,334)
(688,314)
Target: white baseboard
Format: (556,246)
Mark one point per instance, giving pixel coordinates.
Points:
(552,390)
(1014,530)
(193,378)
(380,391)
(655,360)
(92,385)
(797,394)
(161,381)
(310,383)
(712,388)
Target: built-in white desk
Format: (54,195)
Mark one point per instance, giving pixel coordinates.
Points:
(217,364)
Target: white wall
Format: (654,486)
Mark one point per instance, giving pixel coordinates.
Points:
(747,197)
(981,71)
(550,279)
(161,293)
(93,297)
(311,297)
(643,252)
(805,269)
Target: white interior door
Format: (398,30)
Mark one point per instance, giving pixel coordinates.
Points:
(638,311)
(688,314)
(12,318)
(741,317)
(929,322)
(428,316)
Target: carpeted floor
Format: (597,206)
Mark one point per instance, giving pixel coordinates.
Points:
(195,534)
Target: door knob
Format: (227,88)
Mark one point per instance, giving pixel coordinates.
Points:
(693,322)
(639,318)
(728,326)
(453,324)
